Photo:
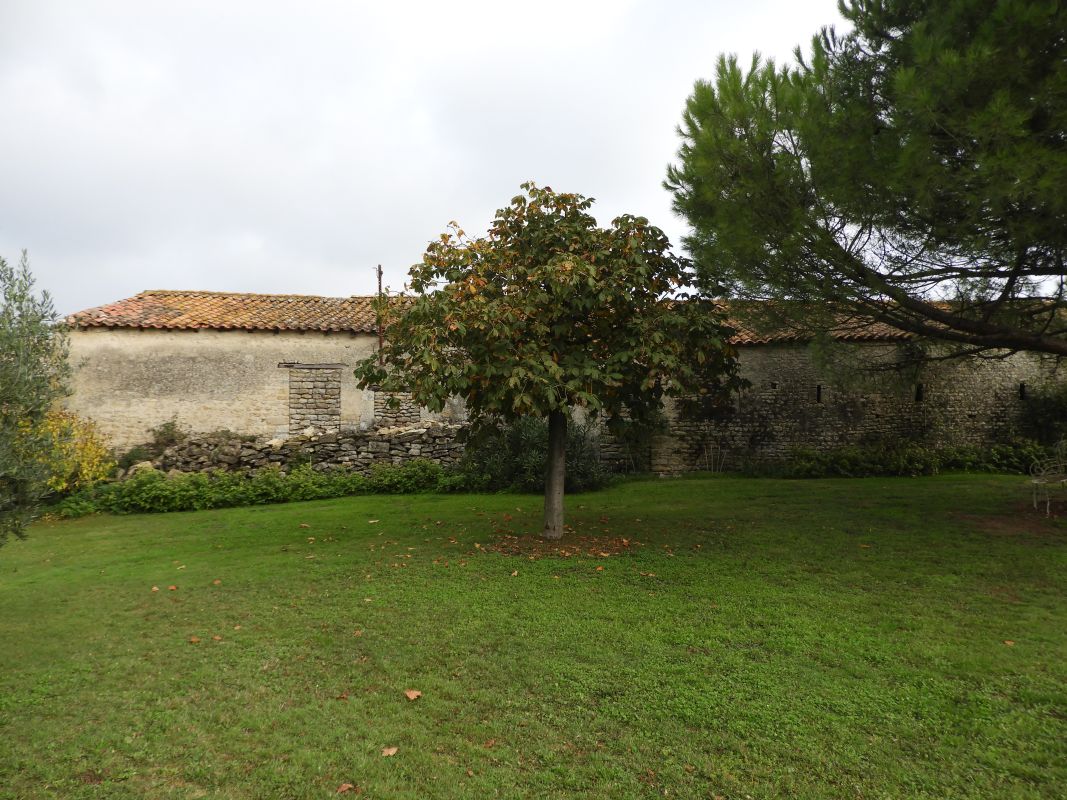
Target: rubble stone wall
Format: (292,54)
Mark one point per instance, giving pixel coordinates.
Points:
(796,401)
(353,450)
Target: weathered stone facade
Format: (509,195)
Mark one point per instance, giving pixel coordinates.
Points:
(130,381)
(797,402)
(285,383)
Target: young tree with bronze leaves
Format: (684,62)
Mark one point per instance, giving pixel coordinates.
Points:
(911,171)
(549,312)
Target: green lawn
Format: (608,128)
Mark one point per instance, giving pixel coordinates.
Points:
(881,638)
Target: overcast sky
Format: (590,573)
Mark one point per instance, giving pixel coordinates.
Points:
(289,147)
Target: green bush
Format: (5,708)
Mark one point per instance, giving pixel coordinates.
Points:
(167,434)
(508,458)
(150,491)
(135,455)
(1046,414)
(513,457)
(414,476)
(904,459)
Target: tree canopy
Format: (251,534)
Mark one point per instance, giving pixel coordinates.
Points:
(911,171)
(549,312)
(33,373)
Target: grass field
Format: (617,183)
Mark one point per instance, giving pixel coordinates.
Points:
(881,638)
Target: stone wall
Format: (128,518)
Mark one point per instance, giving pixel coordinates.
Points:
(275,387)
(129,381)
(353,450)
(405,412)
(314,398)
(796,401)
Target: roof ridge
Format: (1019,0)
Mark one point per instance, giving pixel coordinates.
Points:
(200,292)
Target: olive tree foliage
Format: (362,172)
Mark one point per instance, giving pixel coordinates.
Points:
(33,376)
(912,171)
(548,312)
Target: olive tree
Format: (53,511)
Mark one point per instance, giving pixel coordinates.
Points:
(33,376)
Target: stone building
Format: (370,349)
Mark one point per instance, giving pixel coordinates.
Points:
(278,368)
(257,365)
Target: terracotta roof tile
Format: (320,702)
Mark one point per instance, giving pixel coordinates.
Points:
(855,330)
(177,310)
(191,310)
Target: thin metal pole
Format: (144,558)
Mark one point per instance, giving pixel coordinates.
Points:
(381,335)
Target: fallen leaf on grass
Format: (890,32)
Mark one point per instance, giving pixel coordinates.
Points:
(155,588)
(216,638)
(216,582)
(342,696)
(372,521)
(346,788)
(172,588)
(389,751)
(515,574)
(599,569)
(304,525)
(1009,642)
(412,694)
(194,640)
(357,633)
(489,743)
(470,773)
(237,627)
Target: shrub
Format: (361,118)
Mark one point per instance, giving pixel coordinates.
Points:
(79,455)
(150,491)
(904,459)
(513,457)
(414,476)
(161,437)
(167,435)
(135,455)
(1046,414)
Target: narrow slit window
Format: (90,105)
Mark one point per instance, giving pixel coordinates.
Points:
(1022,391)
(818,393)
(920,392)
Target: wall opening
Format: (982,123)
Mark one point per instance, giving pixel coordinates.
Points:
(920,392)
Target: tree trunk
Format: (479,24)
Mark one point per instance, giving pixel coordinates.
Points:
(555,471)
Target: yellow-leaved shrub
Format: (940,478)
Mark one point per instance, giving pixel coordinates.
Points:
(79,455)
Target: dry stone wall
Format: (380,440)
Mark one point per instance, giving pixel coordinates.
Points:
(357,451)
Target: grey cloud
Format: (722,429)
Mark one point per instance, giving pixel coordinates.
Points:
(289,147)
